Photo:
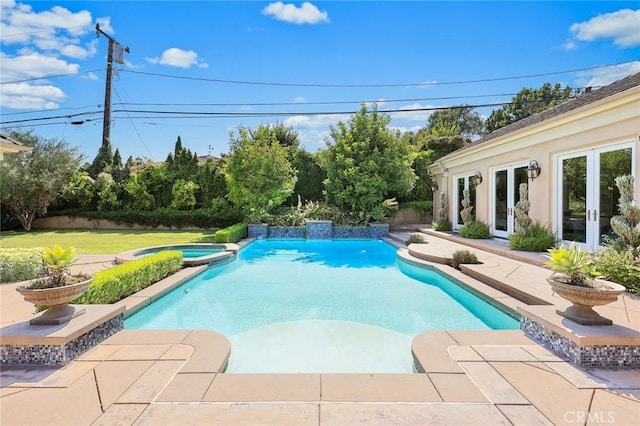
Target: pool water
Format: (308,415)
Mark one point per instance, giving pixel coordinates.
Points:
(309,306)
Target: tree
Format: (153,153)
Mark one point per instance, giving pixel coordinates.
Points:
(184,195)
(310,177)
(459,120)
(528,102)
(211,181)
(137,188)
(258,171)
(31,181)
(367,162)
(81,191)
(182,164)
(103,161)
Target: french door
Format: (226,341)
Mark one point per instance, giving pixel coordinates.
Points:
(588,193)
(506,191)
(462,183)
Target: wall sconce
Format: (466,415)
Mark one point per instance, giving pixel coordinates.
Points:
(434,185)
(533,171)
(476,179)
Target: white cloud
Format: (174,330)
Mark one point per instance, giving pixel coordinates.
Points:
(314,121)
(299,99)
(28,96)
(307,13)
(427,84)
(622,26)
(34,65)
(404,129)
(413,112)
(90,76)
(606,75)
(178,58)
(314,139)
(40,41)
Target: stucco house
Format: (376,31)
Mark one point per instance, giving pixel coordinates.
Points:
(569,155)
(8,144)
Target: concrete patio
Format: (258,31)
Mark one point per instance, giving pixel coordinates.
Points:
(167,377)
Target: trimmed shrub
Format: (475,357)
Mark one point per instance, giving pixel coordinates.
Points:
(21,264)
(201,218)
(114,284)
(231,234)
(622,267)
(416,239)
(442,225)
(538,238)
(461,257)
(477,230)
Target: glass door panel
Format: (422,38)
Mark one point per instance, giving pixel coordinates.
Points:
(574,199)
(460,189)
(519,176)
(501,200)
(612,164)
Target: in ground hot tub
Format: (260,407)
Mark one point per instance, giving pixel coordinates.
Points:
(192,254)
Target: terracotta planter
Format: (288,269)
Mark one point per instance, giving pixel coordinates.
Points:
(585,298)
(57,299)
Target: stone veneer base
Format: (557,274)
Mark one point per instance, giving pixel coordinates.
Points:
(584,346)
(24,344)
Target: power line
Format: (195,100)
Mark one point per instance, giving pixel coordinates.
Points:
(50,77)
(263,83)
(164,114)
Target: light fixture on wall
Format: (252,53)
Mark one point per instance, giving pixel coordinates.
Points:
(533,171)
(434,184)
(476,179)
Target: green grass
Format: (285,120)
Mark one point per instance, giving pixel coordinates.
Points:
(94,241)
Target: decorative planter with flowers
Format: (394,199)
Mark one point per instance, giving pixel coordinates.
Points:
(576,280)
(57,289)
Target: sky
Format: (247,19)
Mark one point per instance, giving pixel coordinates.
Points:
(201,69)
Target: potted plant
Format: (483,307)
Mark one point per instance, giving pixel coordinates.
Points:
(58,288)
(576,280)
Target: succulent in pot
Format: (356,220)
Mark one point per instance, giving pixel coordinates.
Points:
(58,288)
(576,279)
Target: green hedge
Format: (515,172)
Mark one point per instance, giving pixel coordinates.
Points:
(114,284)
(201,218)
(231,234)
(21,264)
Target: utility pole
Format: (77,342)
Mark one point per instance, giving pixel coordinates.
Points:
(106,121)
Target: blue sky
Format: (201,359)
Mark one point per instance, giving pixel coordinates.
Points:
(324,56)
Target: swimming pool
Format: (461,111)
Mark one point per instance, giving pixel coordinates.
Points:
(291,305)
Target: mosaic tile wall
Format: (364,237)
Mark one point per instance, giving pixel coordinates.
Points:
(319,229)
(286,232)
(60,354)
(351,232)
(608,356)
(257,231)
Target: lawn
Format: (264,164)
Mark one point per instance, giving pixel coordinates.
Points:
(96,241)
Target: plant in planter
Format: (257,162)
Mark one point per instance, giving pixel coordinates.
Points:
(56,289)
(576,280)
